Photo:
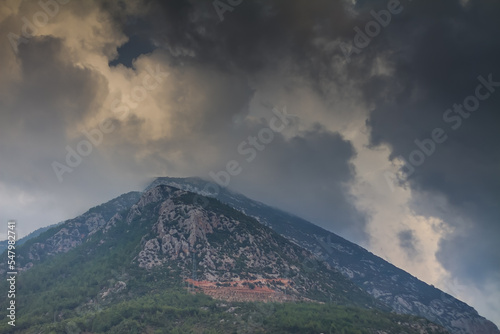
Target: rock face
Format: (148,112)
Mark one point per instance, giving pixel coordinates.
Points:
(394,287)
(236,257)
(69,234)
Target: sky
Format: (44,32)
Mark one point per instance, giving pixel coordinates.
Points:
(377,120)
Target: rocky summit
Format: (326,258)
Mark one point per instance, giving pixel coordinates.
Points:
(232,256)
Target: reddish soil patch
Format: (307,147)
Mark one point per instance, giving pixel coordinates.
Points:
(244,290)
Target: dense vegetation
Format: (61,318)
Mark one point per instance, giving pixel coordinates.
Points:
(177,311)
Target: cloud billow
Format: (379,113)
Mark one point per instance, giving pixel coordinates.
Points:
(439,69)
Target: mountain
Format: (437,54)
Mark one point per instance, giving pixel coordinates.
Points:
(123,201)
(71,233)
(162,261)
(394,287)
(4,244)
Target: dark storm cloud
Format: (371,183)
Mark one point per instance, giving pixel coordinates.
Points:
(256,35)
(45,101)
(438,54)
(51,95)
